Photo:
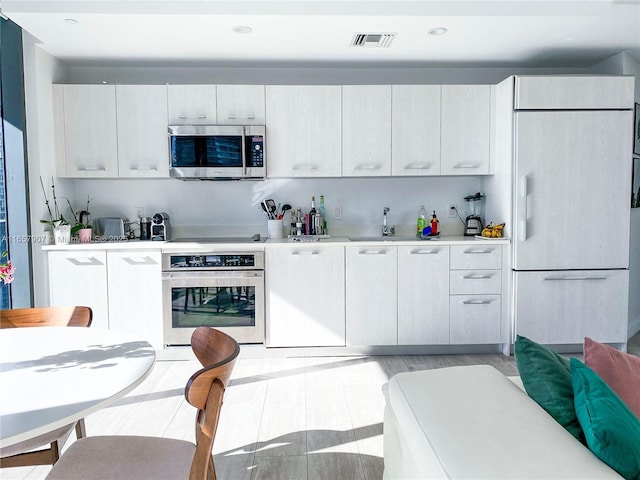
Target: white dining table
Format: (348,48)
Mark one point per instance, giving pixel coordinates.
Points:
(53,376)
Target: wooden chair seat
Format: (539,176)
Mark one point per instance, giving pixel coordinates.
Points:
(121,457)
(29,453)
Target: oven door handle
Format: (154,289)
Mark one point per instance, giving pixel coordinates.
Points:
(224,274)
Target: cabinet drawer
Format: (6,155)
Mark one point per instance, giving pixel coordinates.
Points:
(475,319)
(475,281)
(468,257)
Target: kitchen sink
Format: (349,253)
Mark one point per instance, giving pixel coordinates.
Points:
(380,238)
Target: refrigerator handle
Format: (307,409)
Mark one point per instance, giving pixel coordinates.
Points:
(523,219)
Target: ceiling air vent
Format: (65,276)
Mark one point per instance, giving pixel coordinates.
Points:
(372,40)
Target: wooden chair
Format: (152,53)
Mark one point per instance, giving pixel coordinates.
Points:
(153,458)
(30,452)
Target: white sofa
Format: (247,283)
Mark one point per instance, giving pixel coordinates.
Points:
(472,422)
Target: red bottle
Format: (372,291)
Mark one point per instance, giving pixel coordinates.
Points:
(434,224)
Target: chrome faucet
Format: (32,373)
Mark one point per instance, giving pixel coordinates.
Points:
(386,230)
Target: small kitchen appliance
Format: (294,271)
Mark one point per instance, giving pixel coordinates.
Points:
(475,207)
(160,227)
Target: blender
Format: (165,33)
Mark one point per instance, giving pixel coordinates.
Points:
(473,222)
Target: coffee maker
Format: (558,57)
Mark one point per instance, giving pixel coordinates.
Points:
(475,207)
(160,227)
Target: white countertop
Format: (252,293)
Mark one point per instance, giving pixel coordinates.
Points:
(335,241)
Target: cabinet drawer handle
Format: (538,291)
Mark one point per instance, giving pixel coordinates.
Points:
(140,261)
(90,169)
(84,262)
(369,166)
(311,252)
(417,166)
(477,277)
(138,169)
(423,252)
(575,277)
(372,252)
(477,302)
(234,117)
(466,165)
(305,167)
(192,116)
(473,251)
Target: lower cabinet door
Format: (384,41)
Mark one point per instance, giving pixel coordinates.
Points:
(475,319)
(135,294)
(305,296)
(80,278)
(563,307)
(423,295)
(372,302)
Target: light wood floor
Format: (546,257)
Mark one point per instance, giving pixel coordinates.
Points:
(283,418)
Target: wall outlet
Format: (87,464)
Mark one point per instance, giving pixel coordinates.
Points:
(337,213)
(453,208)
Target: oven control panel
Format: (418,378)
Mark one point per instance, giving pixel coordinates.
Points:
(213,261)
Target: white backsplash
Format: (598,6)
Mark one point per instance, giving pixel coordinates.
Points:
(222,208)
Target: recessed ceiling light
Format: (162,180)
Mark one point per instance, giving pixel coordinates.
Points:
(438,31)
(104,82)
(242,29)
(71,21)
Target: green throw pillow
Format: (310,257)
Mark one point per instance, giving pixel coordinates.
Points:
(612,430)
(547,379)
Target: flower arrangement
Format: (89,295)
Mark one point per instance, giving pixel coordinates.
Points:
(6,270)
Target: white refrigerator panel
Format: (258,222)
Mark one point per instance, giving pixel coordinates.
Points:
(572,190)
(564,307)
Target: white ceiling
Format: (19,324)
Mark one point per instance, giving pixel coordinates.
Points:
(534,33)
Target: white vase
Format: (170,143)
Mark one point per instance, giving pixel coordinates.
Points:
(62,234)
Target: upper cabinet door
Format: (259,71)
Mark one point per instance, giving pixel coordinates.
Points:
(241,105)
(366,130)
(192,105)
(304,131)
(142,130)
(415,130)
(90,130)
(466,129)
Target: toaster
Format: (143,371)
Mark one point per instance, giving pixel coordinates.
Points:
(109,229)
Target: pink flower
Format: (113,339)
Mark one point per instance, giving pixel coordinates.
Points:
(6,272)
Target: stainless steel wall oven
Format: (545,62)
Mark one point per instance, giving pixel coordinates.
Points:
(222,290)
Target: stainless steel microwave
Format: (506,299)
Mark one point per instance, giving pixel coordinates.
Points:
(217,152)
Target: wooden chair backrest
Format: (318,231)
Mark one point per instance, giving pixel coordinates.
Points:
(217,352)
(46,317)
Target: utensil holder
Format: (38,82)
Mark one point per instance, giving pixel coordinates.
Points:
(275,228)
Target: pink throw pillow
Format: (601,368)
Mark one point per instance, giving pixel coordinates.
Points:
(619,370)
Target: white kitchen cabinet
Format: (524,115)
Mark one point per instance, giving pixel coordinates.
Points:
(80,278)
(475,319)
(371,293)
(366,130)
(423,295)
(90,139)
(240,105)
(135,294)
(563,307)
(192,105)
(466,130)
(142,130)
(582,92)
(305,297)
(304,130)
(572,171)
(415,130)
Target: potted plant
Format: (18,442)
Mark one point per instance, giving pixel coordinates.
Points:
(60,226)
(82,226)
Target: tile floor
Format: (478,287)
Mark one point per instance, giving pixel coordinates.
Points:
(283,418)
